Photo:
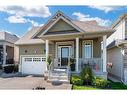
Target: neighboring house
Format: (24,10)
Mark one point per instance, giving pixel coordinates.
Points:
(61,38)
(7,41)
(117,49)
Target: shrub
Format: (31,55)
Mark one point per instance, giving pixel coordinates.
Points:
(16,68)
(87,75)
(76,80)
(100,82)
(8,69)
(72,66)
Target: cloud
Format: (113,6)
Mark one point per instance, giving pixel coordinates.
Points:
(106,9)
(32,27)
(17,14)
(84,17)
(27,11)
(19,19)
(34,23)
(16,19)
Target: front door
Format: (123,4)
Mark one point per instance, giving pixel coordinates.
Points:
(64,56)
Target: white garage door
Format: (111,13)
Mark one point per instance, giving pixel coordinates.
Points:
(33,65)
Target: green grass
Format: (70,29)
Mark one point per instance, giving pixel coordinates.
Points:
(114,86)
(118,85)
(75,87)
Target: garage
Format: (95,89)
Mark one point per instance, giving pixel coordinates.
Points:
(35,65)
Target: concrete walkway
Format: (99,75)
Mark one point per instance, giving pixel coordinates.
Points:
(55,85)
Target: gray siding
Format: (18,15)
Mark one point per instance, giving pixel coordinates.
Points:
(115,57)
(31,49)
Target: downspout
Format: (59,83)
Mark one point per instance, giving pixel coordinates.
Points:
(122,73)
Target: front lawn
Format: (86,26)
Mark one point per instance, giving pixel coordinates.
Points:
(117,85)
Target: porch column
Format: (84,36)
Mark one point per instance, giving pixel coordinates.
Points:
(47,48)
(104,54)
(77,53)
(4,54)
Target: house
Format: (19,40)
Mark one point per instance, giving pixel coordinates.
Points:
(117,49)
(7,41)
(61,37)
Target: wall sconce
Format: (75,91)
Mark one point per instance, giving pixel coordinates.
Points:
(25,51)
(44,51)
(35,51)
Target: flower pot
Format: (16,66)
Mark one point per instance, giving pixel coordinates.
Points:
(72,66)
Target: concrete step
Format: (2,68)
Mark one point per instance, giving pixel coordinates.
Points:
(58,80)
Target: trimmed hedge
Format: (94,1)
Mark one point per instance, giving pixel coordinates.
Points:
(76,80)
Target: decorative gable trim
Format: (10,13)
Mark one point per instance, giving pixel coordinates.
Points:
(56,18)
(63,20)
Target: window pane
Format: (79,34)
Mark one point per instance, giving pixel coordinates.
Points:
(88,50)
(65,52)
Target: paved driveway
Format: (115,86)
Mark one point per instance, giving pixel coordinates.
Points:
(27,82)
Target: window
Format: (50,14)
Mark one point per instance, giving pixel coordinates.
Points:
(43,59)
(87,49)
(36,59)
(28,59)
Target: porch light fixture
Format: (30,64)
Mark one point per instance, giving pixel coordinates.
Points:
(26,51)
(44,51)
(35,51)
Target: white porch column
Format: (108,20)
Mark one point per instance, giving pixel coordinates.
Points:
(104,56)
(47,48)
(4,54)
(77,53)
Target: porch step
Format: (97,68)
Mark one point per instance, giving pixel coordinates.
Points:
(59,75)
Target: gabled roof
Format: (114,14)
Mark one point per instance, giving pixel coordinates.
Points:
(58,17)
(82,26)
(119,19)
(91,26)
(27,38)
(5,36)
(32,37)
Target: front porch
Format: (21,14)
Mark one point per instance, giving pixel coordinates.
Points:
(6,54)
(86,51)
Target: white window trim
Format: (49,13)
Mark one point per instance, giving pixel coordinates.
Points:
(70,51)
(58,43)
(85,41)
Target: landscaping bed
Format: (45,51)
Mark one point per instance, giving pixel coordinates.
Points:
(114,86)
(87,81)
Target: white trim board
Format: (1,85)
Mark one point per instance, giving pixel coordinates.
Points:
(85,41)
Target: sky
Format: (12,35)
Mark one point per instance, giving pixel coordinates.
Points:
(20,19)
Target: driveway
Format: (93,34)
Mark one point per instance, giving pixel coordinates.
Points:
(28,82)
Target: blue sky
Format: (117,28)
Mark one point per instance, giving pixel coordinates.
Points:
(19,19)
